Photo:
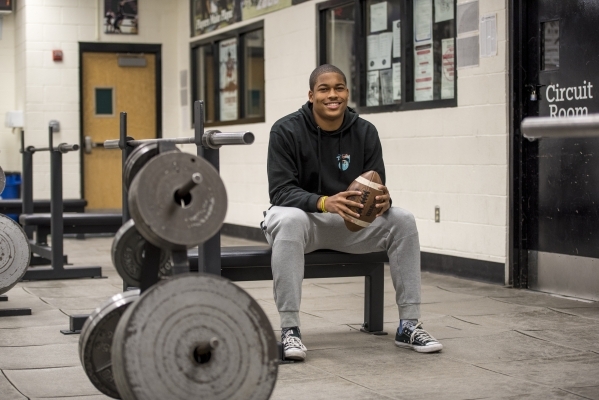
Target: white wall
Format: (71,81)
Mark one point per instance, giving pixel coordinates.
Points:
(455,158)
(50,90)
(9,141)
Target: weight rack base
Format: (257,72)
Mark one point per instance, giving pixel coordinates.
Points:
(375,333)
(76,322)
(15,312)
(49,273)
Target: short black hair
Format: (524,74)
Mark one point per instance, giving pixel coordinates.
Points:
(323,69)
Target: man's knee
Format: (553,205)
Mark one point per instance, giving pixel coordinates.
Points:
(288,221)
(402,218)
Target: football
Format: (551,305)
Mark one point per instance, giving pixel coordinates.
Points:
(370,184)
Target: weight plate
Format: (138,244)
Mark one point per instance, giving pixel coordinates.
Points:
(128,254)
(95,341)
(15,253)
(137,159)
(155,352)
(169,222)
(2,180)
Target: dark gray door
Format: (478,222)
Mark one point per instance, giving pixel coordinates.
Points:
(560,177)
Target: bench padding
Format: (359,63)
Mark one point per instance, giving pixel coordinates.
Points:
(15,206)
(73,219)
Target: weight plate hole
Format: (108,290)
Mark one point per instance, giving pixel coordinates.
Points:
(183,201)
(202,357)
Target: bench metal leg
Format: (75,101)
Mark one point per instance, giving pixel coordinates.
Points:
(13,312)
(374,299)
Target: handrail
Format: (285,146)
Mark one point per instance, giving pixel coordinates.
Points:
(547,127)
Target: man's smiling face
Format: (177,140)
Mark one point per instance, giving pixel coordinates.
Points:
(329,98)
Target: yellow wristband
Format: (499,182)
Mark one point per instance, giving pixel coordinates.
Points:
(322,208)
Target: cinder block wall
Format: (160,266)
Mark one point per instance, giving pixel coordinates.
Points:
(454,158)
(9,142)
(48,90)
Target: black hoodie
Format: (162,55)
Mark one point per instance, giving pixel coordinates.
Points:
(306,162)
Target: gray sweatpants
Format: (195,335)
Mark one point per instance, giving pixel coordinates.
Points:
(292,232)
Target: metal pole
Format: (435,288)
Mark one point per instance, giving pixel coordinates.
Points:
(27,183)
(209,251)
(125,153)
(547,127)
(56,224)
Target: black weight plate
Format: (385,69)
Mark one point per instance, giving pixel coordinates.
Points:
(154,350)
(128,252)
(137,159)
(164,221)
(95,341)
(15,253)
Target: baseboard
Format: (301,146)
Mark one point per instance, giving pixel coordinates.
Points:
(243,232)
(460,267)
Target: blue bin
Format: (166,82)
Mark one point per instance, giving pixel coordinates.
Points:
(12,189)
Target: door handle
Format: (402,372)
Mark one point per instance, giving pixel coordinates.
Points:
(90,144)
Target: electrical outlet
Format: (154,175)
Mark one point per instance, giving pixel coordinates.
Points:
(437,214)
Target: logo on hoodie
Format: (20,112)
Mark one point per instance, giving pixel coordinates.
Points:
(343,161)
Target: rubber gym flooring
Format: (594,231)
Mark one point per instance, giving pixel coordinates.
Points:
(498,342)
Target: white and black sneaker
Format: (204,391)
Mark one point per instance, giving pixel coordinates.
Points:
(293,347)
(414,337)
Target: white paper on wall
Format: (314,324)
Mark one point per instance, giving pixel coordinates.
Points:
(397,38)
(373,94)
(387,86)
(423,20)
(448,68)
(228,79)
(378,17)
(488,35)
(396,81)
(423,73)
(467,51)
(443,10)
(379,50)
(467,17)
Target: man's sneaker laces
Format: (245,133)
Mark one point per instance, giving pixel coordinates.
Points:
(415,337)
(293,347)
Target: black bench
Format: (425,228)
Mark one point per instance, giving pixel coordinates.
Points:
(72,223)
(15,206)
(252,263)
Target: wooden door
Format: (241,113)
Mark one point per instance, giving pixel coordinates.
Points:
(107,90)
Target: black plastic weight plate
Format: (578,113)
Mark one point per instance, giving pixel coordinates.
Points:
(128,253)
(156,350)
(15,253)
(95,341)
(167,221)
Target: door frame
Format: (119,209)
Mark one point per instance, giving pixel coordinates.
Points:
(94,47)
(518,11)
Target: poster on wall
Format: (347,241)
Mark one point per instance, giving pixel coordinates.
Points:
(209,15)
(379,50)
(120,17)
(448,75)
(423,20)
(443,10)
(227,50)
(423,73)
(373,93)
(387,86)
(255,8)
